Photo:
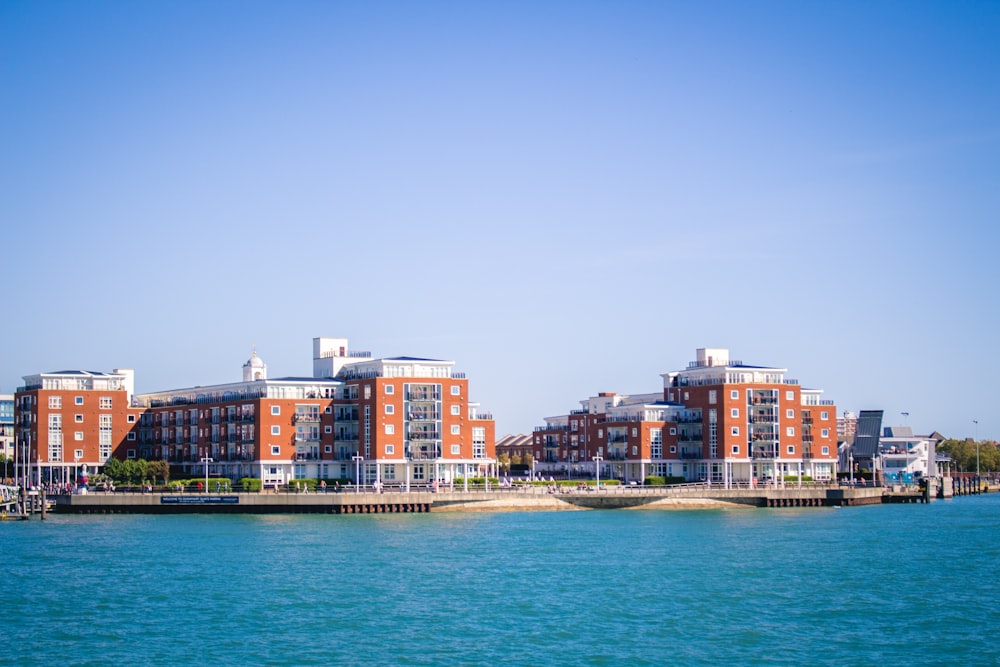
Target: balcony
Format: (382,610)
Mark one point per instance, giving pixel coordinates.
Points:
(423,435)
(422,416)
(306,418)
(423,396)
(423,453)
(685,419)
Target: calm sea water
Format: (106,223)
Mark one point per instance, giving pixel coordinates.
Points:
(914,584)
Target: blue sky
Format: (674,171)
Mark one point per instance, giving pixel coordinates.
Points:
(563,197)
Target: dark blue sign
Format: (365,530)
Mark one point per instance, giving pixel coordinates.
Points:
(199,500)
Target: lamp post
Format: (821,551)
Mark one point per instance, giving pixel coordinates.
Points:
(976,422)
(357,458)
(206,460)
(597,466)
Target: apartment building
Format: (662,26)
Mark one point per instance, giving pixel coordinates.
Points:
(718,420)
(398,420)
(68,420)
(7,431)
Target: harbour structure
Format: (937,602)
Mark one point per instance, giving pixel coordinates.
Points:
(718,420)
(395,420)
(906,458)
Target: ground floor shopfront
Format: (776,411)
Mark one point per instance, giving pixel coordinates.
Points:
(727,472)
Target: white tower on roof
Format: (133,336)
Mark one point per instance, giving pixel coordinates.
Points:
(254,368)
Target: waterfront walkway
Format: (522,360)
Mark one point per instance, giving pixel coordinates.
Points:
(512,499)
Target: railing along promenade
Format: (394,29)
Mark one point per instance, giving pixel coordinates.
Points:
(425,498)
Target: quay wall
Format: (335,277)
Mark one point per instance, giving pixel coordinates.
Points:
(530,499)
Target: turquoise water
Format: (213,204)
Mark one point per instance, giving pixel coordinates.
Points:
(911,584)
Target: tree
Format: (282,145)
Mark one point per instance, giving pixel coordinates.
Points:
(115,469)
(159,469)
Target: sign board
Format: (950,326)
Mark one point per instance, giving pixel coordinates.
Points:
(199,500)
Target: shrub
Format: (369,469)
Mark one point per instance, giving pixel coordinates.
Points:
(250,484)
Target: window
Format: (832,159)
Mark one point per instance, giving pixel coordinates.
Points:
(368,392)
(734,394)
(78,419)
(673,431)
(712,396)
(131,454)
(826,451)
(736,430)
(456,390)
(328,449)
(55,402)
(790,431)
(736,449)
(600,433)
(456,429)
(456,450)
(825,433)
(673,449)
(790,413)
(791,449)
(130,437)
(789,395)
(457,410)
(275,410)
(77,454)
(78,436)
(635,432)
(735,412)
(104,402)
(328,410)
(635,450)
(78,400)
(390,409)
(824,415)
(275,430)
(390,450)
(390,429)
(390,389)
(275,450)
(327,429)
(130,419)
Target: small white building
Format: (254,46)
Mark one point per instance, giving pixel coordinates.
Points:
(906,458)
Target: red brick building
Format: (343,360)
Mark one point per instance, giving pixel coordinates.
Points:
(718,420)
(394,421)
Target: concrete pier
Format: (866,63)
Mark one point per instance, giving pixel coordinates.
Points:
(517,499)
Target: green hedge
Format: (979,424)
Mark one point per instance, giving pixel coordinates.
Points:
(250,484)
(225,485)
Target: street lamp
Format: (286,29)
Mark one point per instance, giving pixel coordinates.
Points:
(206,460)
(597,465)
(976,422)
(357,458)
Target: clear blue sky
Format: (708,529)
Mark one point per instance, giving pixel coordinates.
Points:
(563,197)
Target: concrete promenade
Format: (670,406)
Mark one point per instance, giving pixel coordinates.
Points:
(517,499)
